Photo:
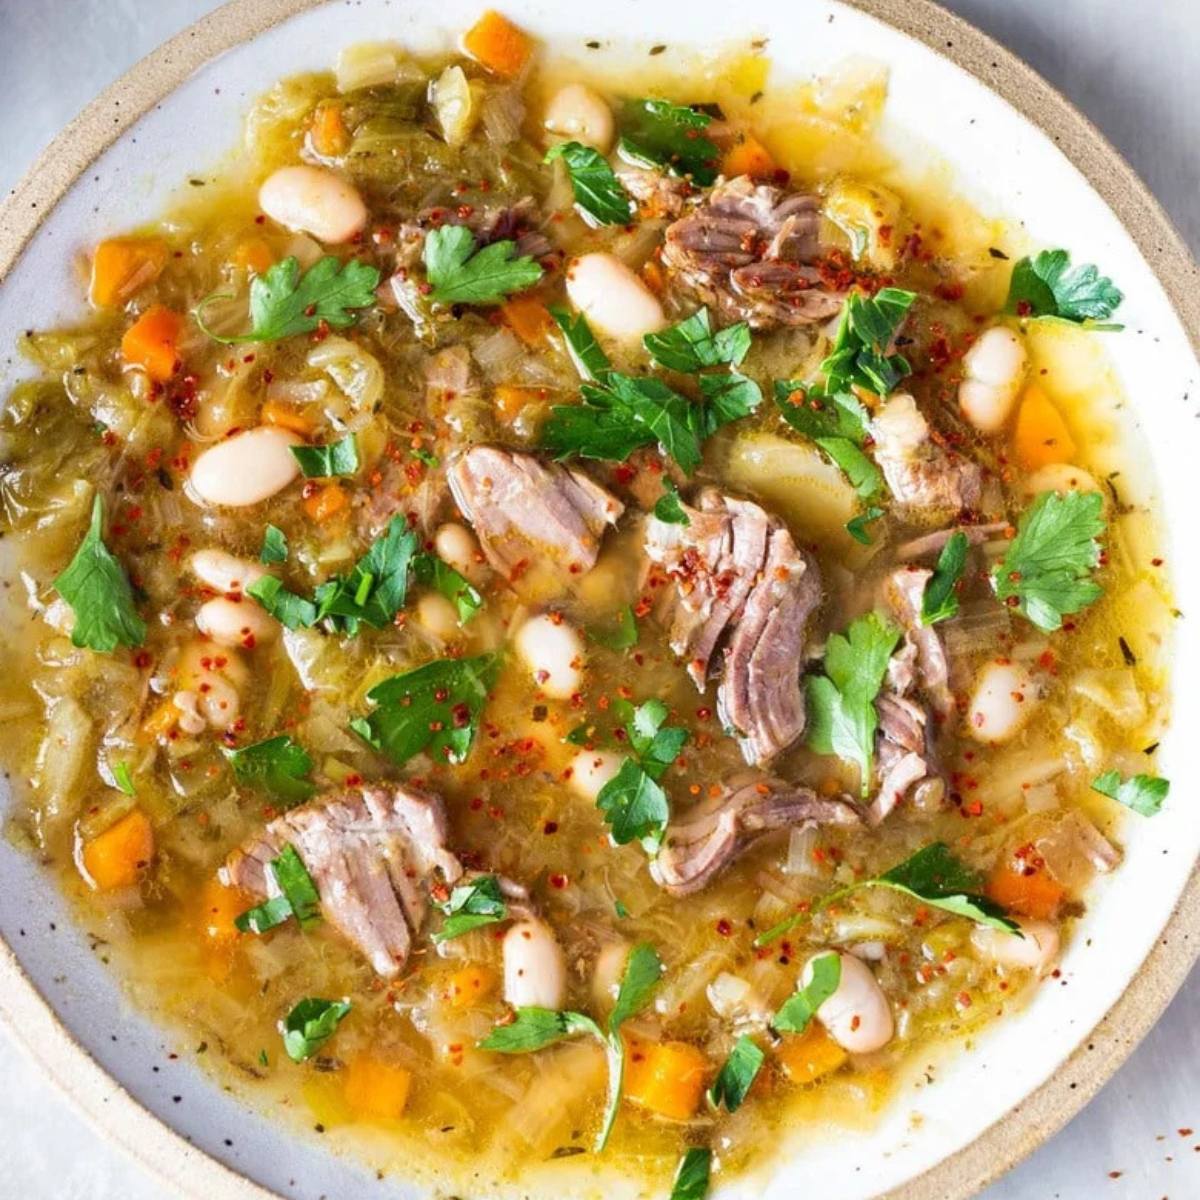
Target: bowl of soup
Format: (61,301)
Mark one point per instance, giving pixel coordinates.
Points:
(592,611)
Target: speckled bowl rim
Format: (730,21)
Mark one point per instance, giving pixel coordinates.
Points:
(166,1154)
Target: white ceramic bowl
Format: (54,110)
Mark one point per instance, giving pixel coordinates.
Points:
(1017,149)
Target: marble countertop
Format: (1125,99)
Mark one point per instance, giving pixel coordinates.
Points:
(1138,80)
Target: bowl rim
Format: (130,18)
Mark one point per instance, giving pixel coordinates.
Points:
(160,1149)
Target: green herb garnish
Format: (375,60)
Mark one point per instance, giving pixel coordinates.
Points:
(668,508)
(298,897)
(838,424)
(435,573)
(1142,793)
(940,601)
(326,462)
(799,1009)
(123,779)
(310,1025)
(278,764)
(856,527)
(471,906)
(462,273)
(691,345)
(622,635)
(375,590)
(590,360)
(274,547)
(598,191)
(1047,286)
(735,1077)
(656,133)
(859,357)
(693,1175)
(290,610)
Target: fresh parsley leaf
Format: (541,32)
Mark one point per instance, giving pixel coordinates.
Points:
(290,610)
(691,345)
(693,1175)
(96,587)
(668,508)
(838,424)
(1143,793)
(598,191)
(859,356)
(590,360)
(940,600)
(425,457)
(461,273)
(284,302)
(375,590)
(471,906)
(728,396)
(800,1008)
(123,779)
(326,462)
(265,916)
(655,133)
(736,1076)
(277,764)
(656,743)
(621,636)
(643,970)
(434,572)
(856,527)
(434,708)
(298,897)
(1046,570)
(842,701)
(621,910)
(1047,286)
(310,1025)
(274,547)
(536,1028)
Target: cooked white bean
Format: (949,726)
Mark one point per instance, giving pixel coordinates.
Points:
(994,367)
(235,622)
(225,572)
(246,468)
(315,201)
(614,300)
(534,970)
(456,545)
(554,652)
(190,720)
(438,616)
(592,769)
(1036,951)
(1004,697)
(578,113)
(857,1016)
(608,972)
(215,676)
(1062,477)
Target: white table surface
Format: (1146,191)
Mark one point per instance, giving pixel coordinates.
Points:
(1136,71)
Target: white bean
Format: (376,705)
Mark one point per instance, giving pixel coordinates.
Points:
(1062,477)
(215,676)
(1003,700)
(235,622)
(225,572)
(554,652)
(1036,951)
(994,367)
(857,1016)
(614,300)
(246,468)
(315,201)
(534,970)
(456,545)
(438,616)
(578,113)
(591,770)
(608,972)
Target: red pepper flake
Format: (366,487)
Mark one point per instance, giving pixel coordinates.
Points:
(559,881)
(724,927)
(550,827)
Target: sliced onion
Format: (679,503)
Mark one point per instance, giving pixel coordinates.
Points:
(801,844)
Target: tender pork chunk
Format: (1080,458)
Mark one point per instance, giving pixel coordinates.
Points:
(930,545)
(522,508)
(930,483)
(748,252)
(658,193)
(903,591)
(712,835)
(374,855)
(740,579)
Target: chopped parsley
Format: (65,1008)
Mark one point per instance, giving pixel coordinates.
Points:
(278,764)
(940,600)
(298,897)
(1142,793)
(433,572)
(691,345)
(1048,286)
(799,1009)
(471,906)
(838,424)
(668,508)
(859,357)
(1046,572)
(462,273)
(590,360)
(310,1025)
(856,527)
(434,708)
(96,587)
(274,547)
(693,1175)
(735,1077)
(656,133)
(842,701)
(123,779)
(375,590)
(598,192)
(284,301)
(326,462)
(290,610)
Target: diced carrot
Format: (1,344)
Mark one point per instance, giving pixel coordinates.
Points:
(326,502)
(161,721)
(496,43)
(121,266)
(1041,436)
(276,412)
(654,276)
(118,856)
(807,1056)
(254,255)
(376,1090)
(748,156)
(528,318)
(328,131)
(668,1078)
(219,905)
(470,984)
(1034,894)
(151,342)
(508,400)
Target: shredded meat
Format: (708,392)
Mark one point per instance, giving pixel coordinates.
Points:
(707,839)
(749,252)
(521,506)
(740,579)
(658,193)
(930,545)
(373,856)
(904,590)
